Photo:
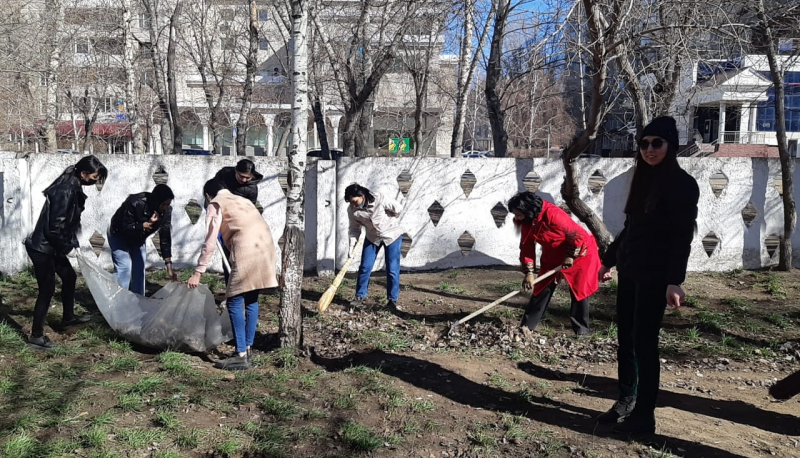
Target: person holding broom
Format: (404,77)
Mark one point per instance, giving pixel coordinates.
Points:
(565,244)
(379,215)
(252,261)
(651,254)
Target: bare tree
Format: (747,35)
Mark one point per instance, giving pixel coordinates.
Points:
(251,65)
(291,320)
(359,67)
(776,20)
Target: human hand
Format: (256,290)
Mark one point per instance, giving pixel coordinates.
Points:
(567,262)
(674,296)
(604,274)
(527,283)
(194,280)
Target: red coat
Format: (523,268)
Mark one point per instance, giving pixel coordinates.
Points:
(558,234)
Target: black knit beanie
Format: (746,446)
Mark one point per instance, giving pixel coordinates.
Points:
(664,127)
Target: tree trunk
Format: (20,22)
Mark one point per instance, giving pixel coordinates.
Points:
(162,92)
(777,73)
(462,87)
(363,134)
(319,122)
(247,92)
(53,66)
(494,103)
(570,190)
(174,113)
(291,320)
(351,117)
(131,96)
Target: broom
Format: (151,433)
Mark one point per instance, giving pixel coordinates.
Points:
(327,297)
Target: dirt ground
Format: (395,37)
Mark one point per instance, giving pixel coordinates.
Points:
(393,383)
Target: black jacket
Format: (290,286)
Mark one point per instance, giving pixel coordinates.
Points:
(128,223)
(655,245)
(57,228)
(249,190)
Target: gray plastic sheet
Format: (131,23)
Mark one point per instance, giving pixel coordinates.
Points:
(175,317)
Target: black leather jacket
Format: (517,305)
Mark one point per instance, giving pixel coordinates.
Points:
(128,223)
(249,190)
(57,228)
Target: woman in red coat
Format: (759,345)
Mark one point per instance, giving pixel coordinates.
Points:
(564,243)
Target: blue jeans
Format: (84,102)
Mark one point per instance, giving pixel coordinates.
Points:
(368,255)
(128,263)
(243,310)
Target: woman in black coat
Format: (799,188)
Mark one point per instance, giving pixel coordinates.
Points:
(54,236)
(139,217)
(241,180)
(651,254)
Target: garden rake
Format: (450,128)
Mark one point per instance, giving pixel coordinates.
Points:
(499,301)
(327,297)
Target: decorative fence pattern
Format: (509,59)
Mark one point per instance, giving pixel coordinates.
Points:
(455,212)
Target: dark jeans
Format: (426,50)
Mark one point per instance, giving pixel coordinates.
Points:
(45,267)
(640,310)
(578,311)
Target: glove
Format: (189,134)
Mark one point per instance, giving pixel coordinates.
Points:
(527,283)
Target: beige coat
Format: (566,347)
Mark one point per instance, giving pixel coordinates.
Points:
(380,219)
(247,236)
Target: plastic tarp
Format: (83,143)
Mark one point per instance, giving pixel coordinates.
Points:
(175,317)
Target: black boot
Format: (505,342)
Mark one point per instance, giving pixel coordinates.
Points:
(619,411)
(636,424)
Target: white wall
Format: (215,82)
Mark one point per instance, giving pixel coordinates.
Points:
(433,179)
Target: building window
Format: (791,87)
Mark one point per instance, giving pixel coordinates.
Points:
(145,50)
(257,137)
(263,45)
(43,79)
(765,113)
(145,20)
(193,136)
(82,47)
(263,16)
(228,43)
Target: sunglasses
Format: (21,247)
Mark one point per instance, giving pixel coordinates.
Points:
(657,143)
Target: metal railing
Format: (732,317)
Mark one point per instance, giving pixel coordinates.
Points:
(746,138)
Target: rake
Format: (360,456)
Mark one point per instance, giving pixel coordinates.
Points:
(498,301)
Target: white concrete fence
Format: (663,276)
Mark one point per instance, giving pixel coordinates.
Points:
(455,209)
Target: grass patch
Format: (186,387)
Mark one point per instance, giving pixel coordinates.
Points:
(94,437)
(285,358)
(779,321)
(507,287)
(348,400)
(453,289)
(130,402)
(422,406)
(281,410)
(21,445)
(385,341)
(147,385)
(359,437)
(175,363)
(736,304)
(166,420)
(693,333)
(189,439)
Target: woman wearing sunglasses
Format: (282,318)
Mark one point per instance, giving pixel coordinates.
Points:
(650,254)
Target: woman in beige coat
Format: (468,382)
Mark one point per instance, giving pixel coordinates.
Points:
(252,261)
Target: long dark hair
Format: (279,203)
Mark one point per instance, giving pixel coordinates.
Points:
(527,203)
(650,183)
(246,166)
(356,190)
(161,193)
(88,164)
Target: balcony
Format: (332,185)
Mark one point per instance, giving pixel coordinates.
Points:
(744,138)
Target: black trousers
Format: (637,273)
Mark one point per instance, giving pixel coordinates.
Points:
(640,311)
(537,305)
(45,267)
